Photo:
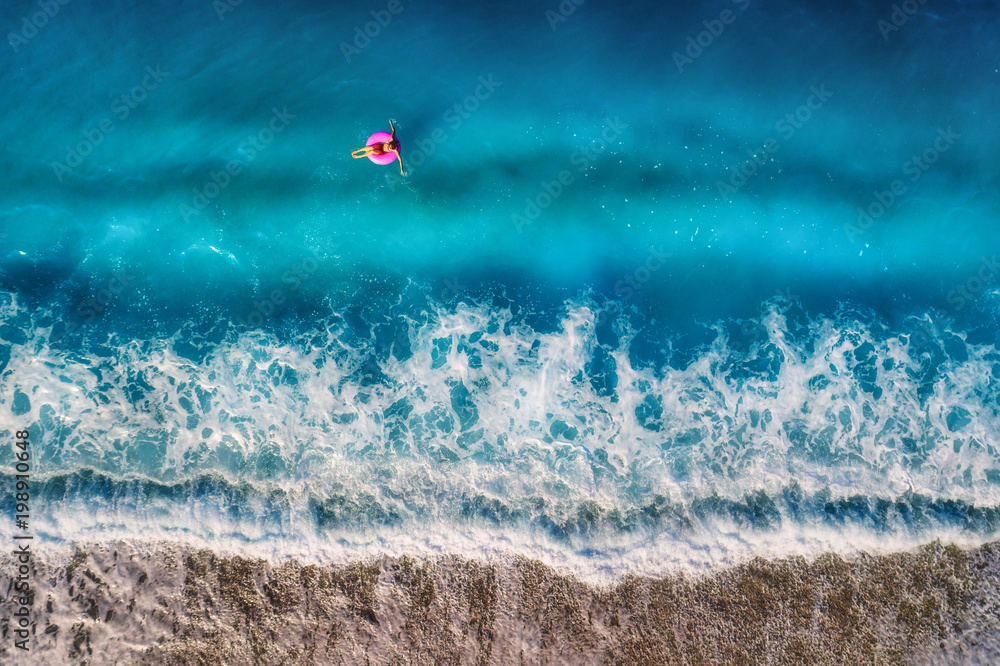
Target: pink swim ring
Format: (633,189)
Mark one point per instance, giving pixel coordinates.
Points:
(377,142)
(377,139)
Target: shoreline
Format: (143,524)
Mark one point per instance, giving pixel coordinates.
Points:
(172,603)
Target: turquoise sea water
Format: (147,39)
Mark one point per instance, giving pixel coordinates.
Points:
(622,311)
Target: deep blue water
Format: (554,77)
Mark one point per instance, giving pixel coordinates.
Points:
(573,326)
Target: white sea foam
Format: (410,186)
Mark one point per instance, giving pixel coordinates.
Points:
(490,437)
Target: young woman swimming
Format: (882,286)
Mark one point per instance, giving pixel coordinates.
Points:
(382,148)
